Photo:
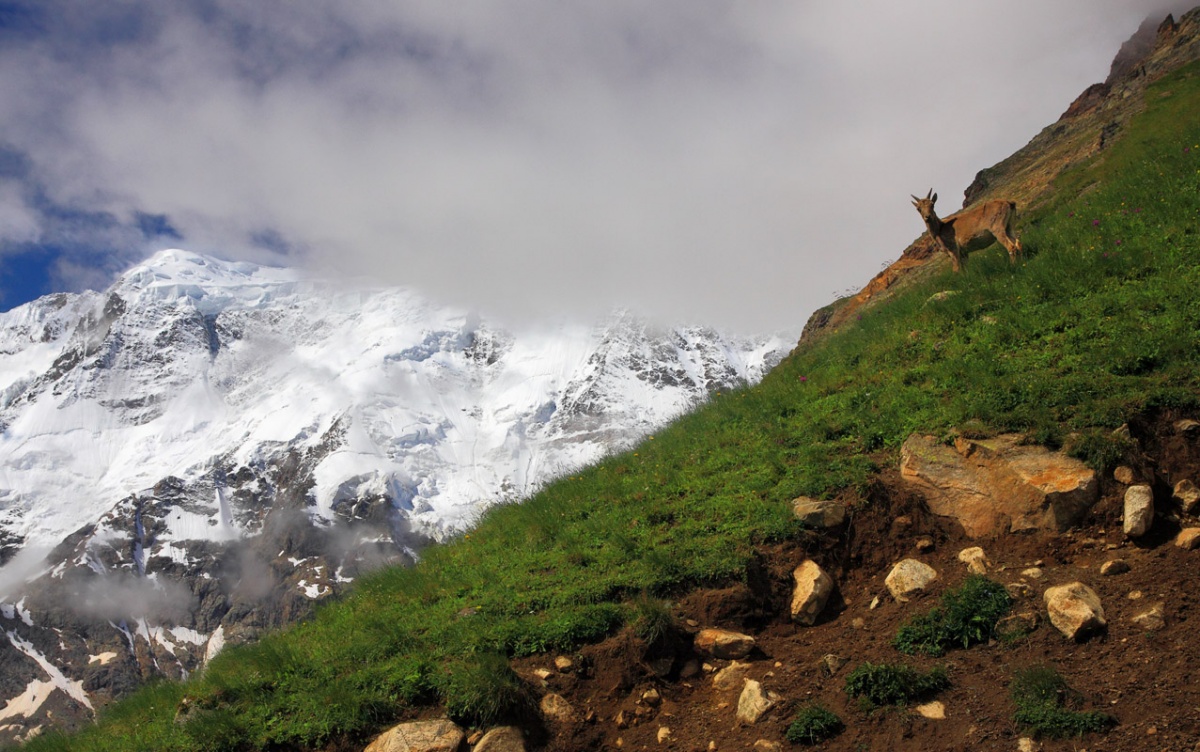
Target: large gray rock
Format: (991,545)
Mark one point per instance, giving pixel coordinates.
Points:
(813,586)
(420,736)
(1075,610)
(1139,510)
(999,485)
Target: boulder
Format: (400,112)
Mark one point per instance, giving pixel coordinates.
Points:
(818,514)
(1075,610)
(1188,538)
(812,590)
(502,739)
(753,703)
(999,485)
(1187,495)
(556,708)
(908,578)
(420,736)
(976,560)
(722,643)
(1139,510)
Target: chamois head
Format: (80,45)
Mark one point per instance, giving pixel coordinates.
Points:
(925,205)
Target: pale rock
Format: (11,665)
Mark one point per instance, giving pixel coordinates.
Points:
(753,703)
(563,664)
(420,736)
(1019,589)
(1187,494)
(874,604)
(1123,475)
(543,673)
(1188,538)
(1151,620)
(908,578)
(817,514)
(924,544)
(813,586)
(1033,573)
(858,623)
(976,560)
(502,739)
(1134,595)
(1114,567)
(723,643)
(1027,744)
(1139,510)
(664,734)
(621,720)
(766,745)
(1075,610)
(933,710)
(1187,427)
(652,698)
(556,708)
(831,664)
(1018,624)
(731,677)
(999,485)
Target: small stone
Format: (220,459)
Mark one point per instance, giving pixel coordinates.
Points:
(934,710)
(1188,538)
(1033,573)
(664,734)
(712,746)
(1187,495)
(661,667)
(1151,620)
(830,664)
(723,643)
(690,669)
(976,560)
(1139,510)
(1134,595)
(924,544)
(556,708)
(813,586)
(1018,625)
(501,739)
(652,698)
(766,745)
(874,604)
(692,623)
(731,677)
(1123,475)
(908,578)
(1019,589)
(817,514)
(1026,744)
(1075,610)
(563,664)
(1187,427)
(858,623)
(753,703)
(543,673)
(1114,567)
(621,720)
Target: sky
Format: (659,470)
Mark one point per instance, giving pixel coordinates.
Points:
(738,163)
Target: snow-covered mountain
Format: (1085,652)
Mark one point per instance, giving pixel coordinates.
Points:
(207,447)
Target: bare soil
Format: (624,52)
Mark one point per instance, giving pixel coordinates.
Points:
(1148,680)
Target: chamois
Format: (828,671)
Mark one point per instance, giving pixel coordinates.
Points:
(970,229)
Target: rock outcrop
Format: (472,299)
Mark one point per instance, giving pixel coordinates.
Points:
(999,485)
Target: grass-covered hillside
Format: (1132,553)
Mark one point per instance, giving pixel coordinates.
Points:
(1100,323)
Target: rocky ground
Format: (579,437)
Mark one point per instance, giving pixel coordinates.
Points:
(678,694)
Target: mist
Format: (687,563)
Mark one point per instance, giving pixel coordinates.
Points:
(695,160)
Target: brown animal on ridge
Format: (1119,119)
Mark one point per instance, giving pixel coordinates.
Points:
(971,229)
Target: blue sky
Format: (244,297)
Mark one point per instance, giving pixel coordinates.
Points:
(712,160)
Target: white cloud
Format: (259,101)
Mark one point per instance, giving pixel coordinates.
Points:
(726,162)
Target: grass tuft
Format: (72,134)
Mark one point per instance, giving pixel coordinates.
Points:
(813,724)
(1044,701)
(876,685)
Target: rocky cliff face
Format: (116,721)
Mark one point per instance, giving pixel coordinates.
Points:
(1090,124)
(208,449)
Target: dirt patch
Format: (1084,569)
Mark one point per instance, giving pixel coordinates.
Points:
(1147,679)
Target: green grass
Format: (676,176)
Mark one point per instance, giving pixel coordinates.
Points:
(1043,700)
(876,685)
(967,616)
(813,724)
(1098,325)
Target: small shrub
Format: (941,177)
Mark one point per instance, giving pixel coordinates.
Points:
(813,725)
(1101,449)
(483,691)
(1043,698)
(967,616)
(886,684)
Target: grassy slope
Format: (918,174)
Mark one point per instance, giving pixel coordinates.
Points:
(1100,323)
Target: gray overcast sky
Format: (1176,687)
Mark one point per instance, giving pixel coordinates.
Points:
(719,161)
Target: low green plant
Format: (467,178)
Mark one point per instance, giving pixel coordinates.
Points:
(652,619)
(813,724)
(967,616)
(887,684)
(483,691)
(1044,705)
